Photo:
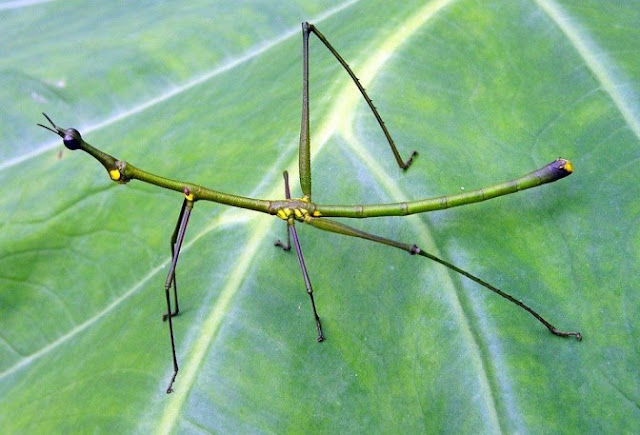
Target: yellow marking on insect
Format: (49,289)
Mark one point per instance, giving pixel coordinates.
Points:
(189,196)
(317,214)
(568,166)
(114,174)
(284,213)
(301,214)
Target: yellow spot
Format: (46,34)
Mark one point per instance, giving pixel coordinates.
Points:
(317,213)
(189,196)
(568,166)
(284,213)
(114,174)
(298,212)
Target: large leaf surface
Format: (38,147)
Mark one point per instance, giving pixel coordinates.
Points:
(210,92)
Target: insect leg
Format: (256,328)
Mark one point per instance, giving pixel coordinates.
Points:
(305,276)
(291,231)
(171,279)
(308,28)
(340,228)
(176,244)
(287,193)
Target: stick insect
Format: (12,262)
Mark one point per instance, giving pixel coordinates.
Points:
(304,210)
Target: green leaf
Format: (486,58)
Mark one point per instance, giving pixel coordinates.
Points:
(210,93)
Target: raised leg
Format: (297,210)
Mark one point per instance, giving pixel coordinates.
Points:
(304,153)
(176,244)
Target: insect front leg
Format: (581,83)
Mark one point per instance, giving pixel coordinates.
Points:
(171,278)
(307,29)
(176,243)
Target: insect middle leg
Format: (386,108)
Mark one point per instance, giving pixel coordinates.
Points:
(291,232)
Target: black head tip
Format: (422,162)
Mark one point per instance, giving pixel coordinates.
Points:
(71,137)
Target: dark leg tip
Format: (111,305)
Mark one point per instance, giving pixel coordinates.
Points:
(319,328)
(166,316)
(577,335)
(173,379)
(409,161)
(284,247)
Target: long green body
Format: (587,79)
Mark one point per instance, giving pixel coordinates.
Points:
(122,172)
(553,171)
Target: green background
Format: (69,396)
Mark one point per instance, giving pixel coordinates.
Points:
(210,92)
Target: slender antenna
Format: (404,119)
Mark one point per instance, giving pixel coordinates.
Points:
(56,131)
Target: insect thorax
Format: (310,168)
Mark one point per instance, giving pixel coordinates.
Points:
(294,209)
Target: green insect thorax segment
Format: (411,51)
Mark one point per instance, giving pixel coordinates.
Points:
(299,209)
